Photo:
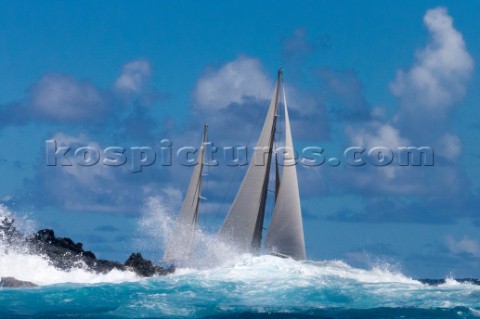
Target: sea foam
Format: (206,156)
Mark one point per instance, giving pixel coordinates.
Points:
(16,261)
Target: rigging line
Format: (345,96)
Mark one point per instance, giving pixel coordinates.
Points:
(228,190)
(206,193)
(260,112)
(203,168)
(257,238)
(279,133)
(186,174)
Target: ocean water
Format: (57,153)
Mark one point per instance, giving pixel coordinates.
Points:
(235,286)
(248,287)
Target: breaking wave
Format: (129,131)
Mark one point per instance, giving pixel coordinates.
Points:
(232,286)
(17,262)
(157,225)
(255,286)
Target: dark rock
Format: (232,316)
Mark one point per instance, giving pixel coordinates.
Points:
(45,235)
(89,254)
(65,254)
(139,265)
(146,268)
(10,282)
(165,271)
(48,236)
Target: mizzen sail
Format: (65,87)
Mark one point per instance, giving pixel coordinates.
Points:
(180,245)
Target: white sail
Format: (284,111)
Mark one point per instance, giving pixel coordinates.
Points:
(244,223)
(180,245)
(285,233)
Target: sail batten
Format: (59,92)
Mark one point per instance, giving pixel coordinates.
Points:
(285,234)
(180,246)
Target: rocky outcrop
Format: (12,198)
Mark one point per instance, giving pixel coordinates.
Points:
(146,268)
(10,282)
(65,254)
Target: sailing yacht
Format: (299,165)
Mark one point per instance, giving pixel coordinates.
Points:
(180,246)
(244,224)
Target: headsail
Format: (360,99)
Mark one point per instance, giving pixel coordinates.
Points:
(244,223)
(285,233)
(181,243)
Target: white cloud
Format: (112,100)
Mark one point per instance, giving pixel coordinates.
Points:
(134,76)
(95,188)
(244,82)
(376,134)
(235,82)
(450,146)
(427,91)
(464,246)
(441,71)
(63,98)
(87,176)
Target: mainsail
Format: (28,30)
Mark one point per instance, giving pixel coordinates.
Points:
(244,223)
(181,242)
(285,234)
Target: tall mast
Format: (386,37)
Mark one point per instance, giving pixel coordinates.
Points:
(180,246)
(201,162)
(257,239)
(277,176)
(243,225)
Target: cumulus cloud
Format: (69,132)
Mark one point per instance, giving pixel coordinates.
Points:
(133,85)
(427,93)
(440,73)
(96,187)
(134,76)
(376,134)
(239,81)
(449,146)
(62,98)
(86,176)
(58,98)
(464,246)
(242,82)
(396,193)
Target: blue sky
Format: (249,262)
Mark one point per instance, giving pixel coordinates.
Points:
(356,73)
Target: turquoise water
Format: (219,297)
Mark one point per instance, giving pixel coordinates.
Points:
(247,287)
(222,284)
